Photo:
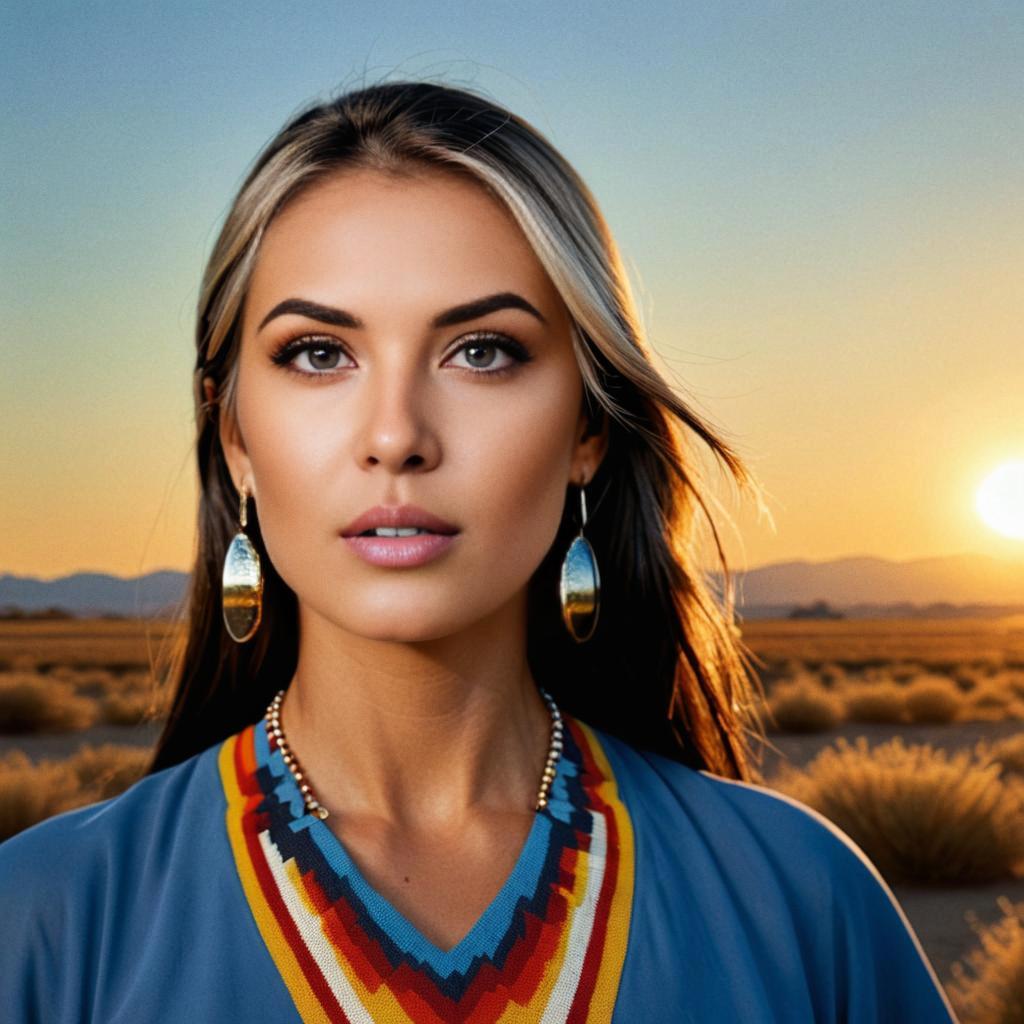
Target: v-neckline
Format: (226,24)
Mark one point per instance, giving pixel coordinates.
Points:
(343,864)
(549,946)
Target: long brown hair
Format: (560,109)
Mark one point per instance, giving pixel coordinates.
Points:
(666,669)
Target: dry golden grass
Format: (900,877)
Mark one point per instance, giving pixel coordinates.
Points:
(932,698)
(1014,682)
(801,701)
(875,701)
(937,644)
(30,793)
(802,704)
(1009,752)
(987,986)
(30,703)
(135,708)
(120,645)
(94,682)
(832,675)
(904,671)
(993,699)
(108,769)
(919,814)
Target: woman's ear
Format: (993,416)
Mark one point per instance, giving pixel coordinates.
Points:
(591,442)
(209,393)
(231,441)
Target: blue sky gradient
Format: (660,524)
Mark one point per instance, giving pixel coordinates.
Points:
(820,204)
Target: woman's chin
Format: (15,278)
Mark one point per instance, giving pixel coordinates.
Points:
(402,623)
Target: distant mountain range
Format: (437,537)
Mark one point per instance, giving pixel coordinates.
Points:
(866,587)
(859,587)
(95,593)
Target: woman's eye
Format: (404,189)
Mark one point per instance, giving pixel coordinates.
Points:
(312,356)
(491,355)
(320,357)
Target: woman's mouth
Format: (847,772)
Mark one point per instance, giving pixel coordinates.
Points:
(399,548)
(399,536)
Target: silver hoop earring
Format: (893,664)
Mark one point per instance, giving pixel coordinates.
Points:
(242,583)
(580,584)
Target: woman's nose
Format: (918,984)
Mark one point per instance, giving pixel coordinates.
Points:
(396,433)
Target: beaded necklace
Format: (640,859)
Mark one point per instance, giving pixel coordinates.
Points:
(273,717)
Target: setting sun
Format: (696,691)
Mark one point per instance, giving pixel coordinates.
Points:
(1000,499)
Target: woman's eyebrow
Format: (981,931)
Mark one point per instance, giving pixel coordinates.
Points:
(456,315)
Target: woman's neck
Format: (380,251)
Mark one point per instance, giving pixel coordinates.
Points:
(417,734)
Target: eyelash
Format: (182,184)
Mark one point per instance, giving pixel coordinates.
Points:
(286,352)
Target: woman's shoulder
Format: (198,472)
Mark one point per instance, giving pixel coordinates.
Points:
(745,836)
(88,879)
(748,853)
(727,811)
(96,839)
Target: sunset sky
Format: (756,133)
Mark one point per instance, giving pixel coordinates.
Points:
(821,206)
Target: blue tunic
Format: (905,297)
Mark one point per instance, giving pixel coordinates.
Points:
(645,892)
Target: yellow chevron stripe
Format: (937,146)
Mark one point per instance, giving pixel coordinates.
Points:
(306,1000)
(617,936)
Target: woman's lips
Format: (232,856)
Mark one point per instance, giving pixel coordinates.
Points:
(400,552)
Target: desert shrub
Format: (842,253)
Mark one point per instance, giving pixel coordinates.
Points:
(989,696)
(990,661)
(29,703)
(121,668)
(869,664)
(136,681)
(942,666)
(991,701)
(90,682)
(802,705)
(31,792)
(105,684)
(110,768)
(969,677)
(876,700)
(1011,682)
(128,708)
(987,986)
(875,674)
(832,674)
(903,671)
(919,815)
(932,698)
(1009,752)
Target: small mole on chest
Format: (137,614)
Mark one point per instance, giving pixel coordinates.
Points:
(407,878)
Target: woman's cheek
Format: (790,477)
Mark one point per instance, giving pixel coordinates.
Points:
(525,482)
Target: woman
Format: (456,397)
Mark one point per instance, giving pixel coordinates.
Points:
(458,732)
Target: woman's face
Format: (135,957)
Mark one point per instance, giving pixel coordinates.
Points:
(367,379)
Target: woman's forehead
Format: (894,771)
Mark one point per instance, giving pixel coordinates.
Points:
(373,239)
